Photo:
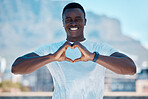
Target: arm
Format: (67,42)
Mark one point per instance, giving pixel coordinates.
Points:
(117,62)
(31,62)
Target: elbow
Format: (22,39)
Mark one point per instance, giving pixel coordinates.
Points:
(17,68)
(13,70)
(133,70)
(129,71)
(15,65)
(16,71)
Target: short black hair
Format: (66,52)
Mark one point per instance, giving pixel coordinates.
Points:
(73,5)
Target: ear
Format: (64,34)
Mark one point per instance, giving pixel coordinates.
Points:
(85,21)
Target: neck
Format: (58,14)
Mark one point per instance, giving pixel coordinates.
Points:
(74,39)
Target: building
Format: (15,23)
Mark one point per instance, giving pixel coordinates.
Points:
(2,67)
(39,80)
(142,81)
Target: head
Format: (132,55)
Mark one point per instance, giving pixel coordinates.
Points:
(74,21)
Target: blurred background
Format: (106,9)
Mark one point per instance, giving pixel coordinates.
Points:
(27,24)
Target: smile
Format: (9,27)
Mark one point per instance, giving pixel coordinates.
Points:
(73,29)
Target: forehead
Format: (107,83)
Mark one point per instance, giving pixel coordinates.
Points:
(73,12)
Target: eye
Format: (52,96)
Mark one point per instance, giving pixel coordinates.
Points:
(68,20)
(78,20)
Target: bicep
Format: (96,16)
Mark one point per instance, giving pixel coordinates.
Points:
(32,54)
(25,57)
(121,55)
(117,54)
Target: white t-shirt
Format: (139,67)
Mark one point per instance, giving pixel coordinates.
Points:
(79,80)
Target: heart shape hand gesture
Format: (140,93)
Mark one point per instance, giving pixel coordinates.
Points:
(85,54)
(59,55)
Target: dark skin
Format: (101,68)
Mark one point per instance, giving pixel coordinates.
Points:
(74,22)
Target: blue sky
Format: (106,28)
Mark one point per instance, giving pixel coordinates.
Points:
(133,15)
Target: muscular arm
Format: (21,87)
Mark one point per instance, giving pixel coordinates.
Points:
(118,63)
(29,63)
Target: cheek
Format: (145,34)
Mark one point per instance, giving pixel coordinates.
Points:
(65,26)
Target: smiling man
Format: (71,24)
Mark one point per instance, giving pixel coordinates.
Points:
(76,64)
(74,22)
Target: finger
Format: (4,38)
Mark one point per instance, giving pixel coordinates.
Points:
(76,60)
(68,43)
(68,59)
(59,51)
(78,44)
(81,48)
(62,49)
(75,44)
(65,46)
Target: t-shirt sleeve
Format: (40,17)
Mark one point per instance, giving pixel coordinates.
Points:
(43,50)
(106,49)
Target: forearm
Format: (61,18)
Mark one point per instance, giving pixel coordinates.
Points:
(120,65)
(25,65)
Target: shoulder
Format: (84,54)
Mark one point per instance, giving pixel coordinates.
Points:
(95,44)
(47,48)
(56,44)
(103,48)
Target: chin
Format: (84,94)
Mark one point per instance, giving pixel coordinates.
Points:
(74,34)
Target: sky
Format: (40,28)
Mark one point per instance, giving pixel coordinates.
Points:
(132,14)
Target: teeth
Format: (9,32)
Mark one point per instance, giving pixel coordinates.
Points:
(73,29)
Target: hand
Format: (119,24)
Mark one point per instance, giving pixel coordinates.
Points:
(59,55)
(85,54)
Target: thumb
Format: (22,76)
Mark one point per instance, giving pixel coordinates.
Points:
(78,59)
(68,59)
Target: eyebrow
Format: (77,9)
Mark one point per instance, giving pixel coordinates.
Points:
(76,17)
(67,17)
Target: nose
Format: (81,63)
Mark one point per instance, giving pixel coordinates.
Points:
(73,23)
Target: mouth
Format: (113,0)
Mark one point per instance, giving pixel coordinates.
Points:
(73,29)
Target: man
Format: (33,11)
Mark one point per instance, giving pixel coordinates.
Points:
(73,77)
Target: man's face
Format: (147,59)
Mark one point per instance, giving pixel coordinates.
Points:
(74,22)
